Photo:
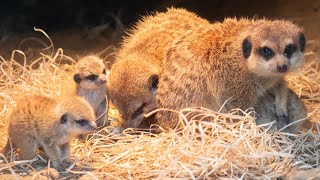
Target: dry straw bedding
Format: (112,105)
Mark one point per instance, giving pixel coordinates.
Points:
(231,146)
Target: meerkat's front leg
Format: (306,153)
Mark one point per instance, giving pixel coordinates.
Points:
(281,102)
(54,153)
(65,152)
(102,114)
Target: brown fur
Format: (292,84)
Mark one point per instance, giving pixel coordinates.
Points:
(42,121)
(206,67)
(94,91)
(133,78)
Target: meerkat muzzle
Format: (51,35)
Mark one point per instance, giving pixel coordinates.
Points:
(282,68)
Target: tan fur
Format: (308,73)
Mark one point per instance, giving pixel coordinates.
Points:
(206,66)
(94,91)
(36,121)
(139,62)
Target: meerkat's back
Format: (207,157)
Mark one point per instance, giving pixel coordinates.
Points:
(134,77)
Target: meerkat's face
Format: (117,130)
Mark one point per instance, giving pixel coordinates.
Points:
(132,89)
(76,116)
(274,48)
(90,73)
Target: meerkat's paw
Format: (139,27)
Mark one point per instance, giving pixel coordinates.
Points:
(58,166)
(284,119)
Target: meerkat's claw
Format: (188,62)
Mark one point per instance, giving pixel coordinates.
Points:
(284,118)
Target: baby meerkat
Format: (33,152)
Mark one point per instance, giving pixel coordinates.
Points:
(230,64)
(50,123)
(90,77)
(133,80)
(266,112)
(271,55)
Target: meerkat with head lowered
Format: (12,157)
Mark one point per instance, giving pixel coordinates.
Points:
(134,76)
(50,123)
(232,64)
(90,78)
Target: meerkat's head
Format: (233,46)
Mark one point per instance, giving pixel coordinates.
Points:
(274,48)
(132,88)
(75,115)
(90,73)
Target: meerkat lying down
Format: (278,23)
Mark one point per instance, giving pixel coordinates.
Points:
(90,77)
(134,76)
(43,121)
(234,62)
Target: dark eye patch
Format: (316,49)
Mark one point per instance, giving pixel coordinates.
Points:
(289,50)
(104,71)
(139,111)
(82,122)
(266,53)
(92,77)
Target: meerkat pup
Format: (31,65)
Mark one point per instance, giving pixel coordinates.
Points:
(134,77)
(266,112)
(43,121)
(229,65)
(90,77)
(270,59)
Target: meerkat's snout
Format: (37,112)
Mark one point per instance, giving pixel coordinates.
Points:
(282,68)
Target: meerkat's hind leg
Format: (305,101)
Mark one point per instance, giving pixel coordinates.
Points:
(28,148)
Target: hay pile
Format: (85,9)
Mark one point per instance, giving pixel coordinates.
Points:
(231,146)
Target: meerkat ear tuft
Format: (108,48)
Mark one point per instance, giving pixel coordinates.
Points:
(77,78)
(63,119)
(153,83)
(302,41)
(246,48)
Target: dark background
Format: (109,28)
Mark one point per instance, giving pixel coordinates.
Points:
(70,23)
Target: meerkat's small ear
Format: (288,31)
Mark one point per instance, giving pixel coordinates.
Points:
(153,83)
(246,48)
(63,119)
(302,41)
(77,78)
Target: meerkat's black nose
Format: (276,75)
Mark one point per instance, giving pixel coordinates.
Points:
(282,68)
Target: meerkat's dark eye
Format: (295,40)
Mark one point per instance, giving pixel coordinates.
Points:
(104,71)
(82,122)
(92,77)
(63,119)
(139,111)
(266,53)
(289,50)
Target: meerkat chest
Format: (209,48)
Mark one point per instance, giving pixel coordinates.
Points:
(64,138)
(265,84)
(95,98)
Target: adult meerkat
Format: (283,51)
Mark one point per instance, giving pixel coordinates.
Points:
(133,79)
(50,123)
(229,64)
(90,77)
